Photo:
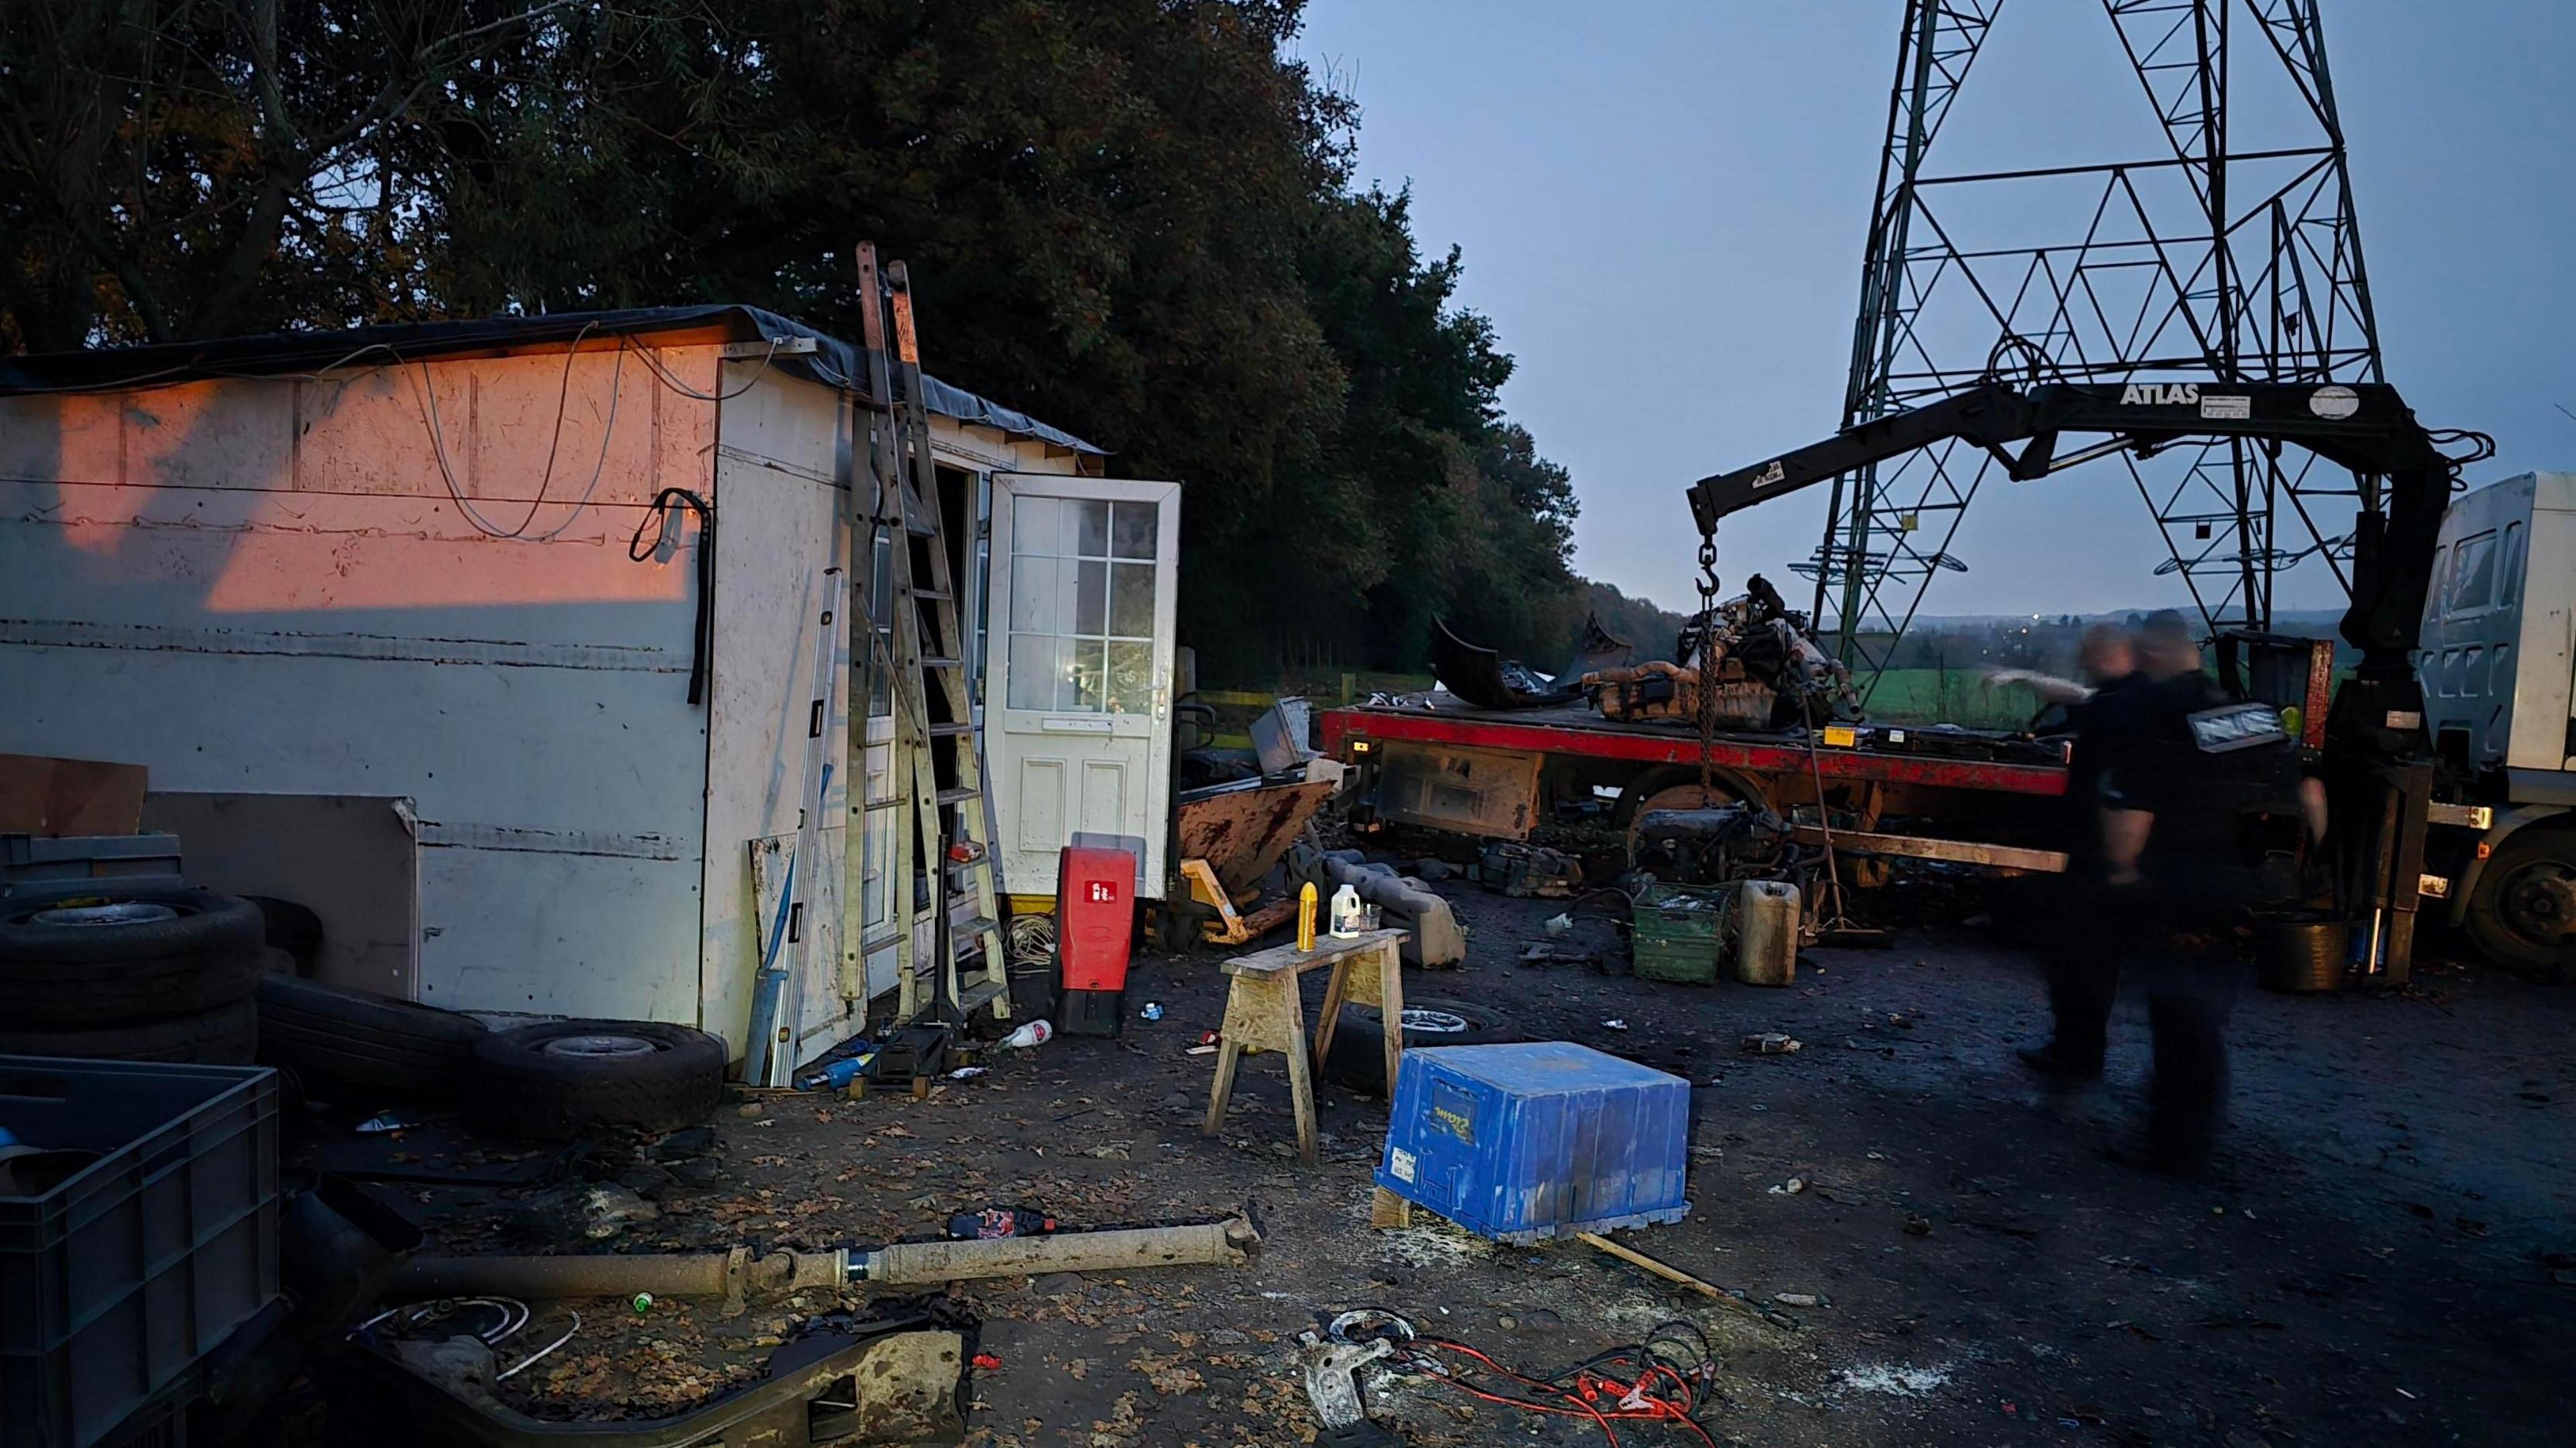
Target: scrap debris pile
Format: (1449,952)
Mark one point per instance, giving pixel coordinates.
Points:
(1756,657)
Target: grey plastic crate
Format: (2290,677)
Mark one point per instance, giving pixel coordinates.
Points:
(115,1282)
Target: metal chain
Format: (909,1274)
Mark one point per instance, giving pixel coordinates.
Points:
(1707,668)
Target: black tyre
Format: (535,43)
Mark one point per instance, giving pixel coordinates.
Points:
(291,928)
(225,1036)
(342,1042)
(559,1079)
(1358,1056)
(101,954)
(2522,915)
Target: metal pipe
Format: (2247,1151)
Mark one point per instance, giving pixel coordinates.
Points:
(1215,1244)
(737,1276)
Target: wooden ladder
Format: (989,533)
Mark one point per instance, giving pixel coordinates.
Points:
(938,770)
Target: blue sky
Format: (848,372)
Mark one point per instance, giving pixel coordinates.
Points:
(1662,207)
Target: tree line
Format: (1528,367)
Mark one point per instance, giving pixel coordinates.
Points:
(1137,219)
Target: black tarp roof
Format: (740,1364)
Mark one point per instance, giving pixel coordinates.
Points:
(831,361)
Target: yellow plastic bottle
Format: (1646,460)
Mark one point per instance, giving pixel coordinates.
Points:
(1306,916)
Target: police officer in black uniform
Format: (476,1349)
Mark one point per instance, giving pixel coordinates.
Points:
(2170,791)
(2083,977)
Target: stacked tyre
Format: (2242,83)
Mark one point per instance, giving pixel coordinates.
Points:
(130,973)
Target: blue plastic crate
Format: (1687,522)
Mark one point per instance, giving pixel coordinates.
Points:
(1542,1139)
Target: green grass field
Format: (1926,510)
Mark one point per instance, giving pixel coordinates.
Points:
(1949,696)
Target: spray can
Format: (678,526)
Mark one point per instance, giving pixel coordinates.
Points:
(1306,916)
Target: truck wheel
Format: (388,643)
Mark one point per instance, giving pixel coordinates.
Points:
(1358,1057)
(98,954)
(2523,913)
(228,1035)
(558,1079)
(338,1040)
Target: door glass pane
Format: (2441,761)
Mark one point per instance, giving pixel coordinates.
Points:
(1036,668)
(1131,678)
(1036,525)
(1033,596)
(1090,599)
(2511,589)
(1091,527)
(1083,684)
(1131,611)
(1132,529)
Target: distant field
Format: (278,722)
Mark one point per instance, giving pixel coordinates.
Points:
(1949,696)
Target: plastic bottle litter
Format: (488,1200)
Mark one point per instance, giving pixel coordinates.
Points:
(968,1073)
(1153,1011)
(1035,1033)
(643,1302)
(999,1222)
(1559,924)
(1348,919)
(837,1075)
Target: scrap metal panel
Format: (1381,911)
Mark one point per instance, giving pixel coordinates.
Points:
(1472,791)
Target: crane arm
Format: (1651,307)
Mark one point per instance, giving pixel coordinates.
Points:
(2365,427)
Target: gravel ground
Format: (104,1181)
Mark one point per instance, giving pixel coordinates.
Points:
(2376,1266)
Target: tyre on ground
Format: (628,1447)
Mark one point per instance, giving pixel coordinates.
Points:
(228,1035)
(1357,1058)
(342,1043)
(559,1079)
(101,953)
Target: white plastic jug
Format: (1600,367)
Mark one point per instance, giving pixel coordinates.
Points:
(1348,919)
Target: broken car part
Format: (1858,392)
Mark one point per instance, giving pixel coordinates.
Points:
(737,1276)
(558,1079)
(1486,679)
(1432,937)
(892,1382)
(1333,1388)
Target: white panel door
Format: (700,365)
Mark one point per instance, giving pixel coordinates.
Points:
(1078,693)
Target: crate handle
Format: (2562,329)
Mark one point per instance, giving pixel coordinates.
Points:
(35,1088)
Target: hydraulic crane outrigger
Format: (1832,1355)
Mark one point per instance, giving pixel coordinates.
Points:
(2374,738)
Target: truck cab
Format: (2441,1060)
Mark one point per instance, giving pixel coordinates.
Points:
(2496,658)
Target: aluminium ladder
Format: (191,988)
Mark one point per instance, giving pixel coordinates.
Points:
(937,774)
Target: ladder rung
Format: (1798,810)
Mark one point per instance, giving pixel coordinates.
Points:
(950,731)
(979,995)
(936,595)
(974,925)
(920,527)
(942,663)
(959,795)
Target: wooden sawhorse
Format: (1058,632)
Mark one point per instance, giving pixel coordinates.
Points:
(1264,1012)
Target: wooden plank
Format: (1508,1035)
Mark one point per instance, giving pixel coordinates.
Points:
(1327,951)
(1919,847)
(53,797)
